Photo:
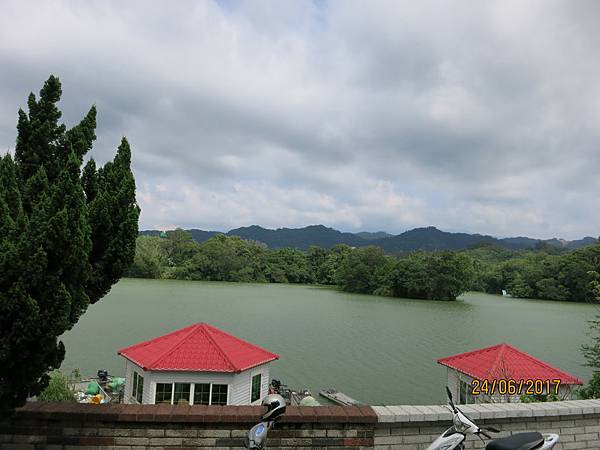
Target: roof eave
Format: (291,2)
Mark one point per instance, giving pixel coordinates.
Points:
(276,357)
(133,360)
(163,369)
(574,381)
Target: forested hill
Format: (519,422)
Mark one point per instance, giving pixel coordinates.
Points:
(428,238)
(300,238)
(431,239)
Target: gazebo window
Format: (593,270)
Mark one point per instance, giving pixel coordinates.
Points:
(219,394)
(255,394)
(164,393)
(182,394)
(466,396)
(138,387)
(202,394)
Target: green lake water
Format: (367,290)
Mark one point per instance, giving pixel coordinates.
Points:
(375,349)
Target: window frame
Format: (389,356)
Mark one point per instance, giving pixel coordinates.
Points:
(207,393)
(464,391)
(133,385)
(156,393)
(252,387)
(137,388)
(139,395)
(220,393)
(189,393)
(193,392)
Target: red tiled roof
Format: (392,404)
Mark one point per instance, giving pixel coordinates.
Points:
(197,348)
(503,361)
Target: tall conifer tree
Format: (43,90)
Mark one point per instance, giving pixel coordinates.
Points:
(65,238)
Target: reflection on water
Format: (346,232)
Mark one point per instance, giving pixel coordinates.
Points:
(375,349)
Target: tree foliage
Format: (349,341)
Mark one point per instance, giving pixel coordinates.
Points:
(544,273)
(433,276)
(592,388)
(365,270)
(58,389)
(65,238)
(591,351)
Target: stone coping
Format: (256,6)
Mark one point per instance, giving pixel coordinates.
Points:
(298,414)
(185,413)
(432,413)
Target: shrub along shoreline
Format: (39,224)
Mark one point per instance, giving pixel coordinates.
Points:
(545,272)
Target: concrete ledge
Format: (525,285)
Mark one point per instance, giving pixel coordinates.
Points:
(414,427)
(429,413)
(298,414)
(185,413)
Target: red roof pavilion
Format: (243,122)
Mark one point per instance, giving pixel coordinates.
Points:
(503,361)
(197,348)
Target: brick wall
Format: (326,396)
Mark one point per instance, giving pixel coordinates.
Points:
(69,426)
(78,426)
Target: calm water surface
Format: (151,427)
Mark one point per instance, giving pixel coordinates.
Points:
(378,350)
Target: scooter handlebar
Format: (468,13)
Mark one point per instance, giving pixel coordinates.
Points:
(448,393)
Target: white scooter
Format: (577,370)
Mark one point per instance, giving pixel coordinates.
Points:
(453,438)
(257,436)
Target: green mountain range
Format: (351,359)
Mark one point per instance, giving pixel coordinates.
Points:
(427,238)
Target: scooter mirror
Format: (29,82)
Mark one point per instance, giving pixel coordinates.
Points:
(449,393)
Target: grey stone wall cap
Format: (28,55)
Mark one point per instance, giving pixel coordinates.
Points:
(434,413)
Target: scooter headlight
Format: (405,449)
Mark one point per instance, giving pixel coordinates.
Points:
(260,430)
(459,425)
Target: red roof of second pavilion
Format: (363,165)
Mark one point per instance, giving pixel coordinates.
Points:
(503,361)
(197,348)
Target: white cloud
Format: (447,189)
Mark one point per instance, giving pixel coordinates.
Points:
(475,116)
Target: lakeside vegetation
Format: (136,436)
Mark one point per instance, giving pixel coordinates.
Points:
(544,272)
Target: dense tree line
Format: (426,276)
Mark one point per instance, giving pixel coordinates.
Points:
(545,272)
(367,270)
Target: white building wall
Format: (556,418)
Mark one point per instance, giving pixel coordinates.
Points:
(453,384)
(266,381)
(130,368)
(240,384)
(128,382)
(242,388)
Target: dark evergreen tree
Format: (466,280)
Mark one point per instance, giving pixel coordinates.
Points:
(65,239)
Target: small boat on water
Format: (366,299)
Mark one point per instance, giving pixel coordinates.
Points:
(338,397)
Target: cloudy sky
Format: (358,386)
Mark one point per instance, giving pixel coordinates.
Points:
(361,115)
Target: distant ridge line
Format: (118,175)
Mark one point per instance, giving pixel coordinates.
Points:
(424,238)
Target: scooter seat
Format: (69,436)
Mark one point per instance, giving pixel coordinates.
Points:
(520,441)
